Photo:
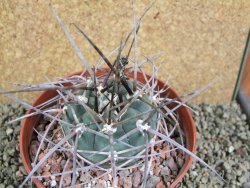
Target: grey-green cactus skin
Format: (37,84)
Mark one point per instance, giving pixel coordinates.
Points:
(92,142)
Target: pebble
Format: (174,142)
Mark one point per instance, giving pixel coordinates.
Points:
(193,173)
(136,178)
(223,141)
(180,162)
(172,164)
(9,131)
(53,183)
(230,149)
(127,182)
(153,181)
(165,171)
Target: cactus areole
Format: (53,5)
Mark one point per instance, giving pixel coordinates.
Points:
(104,111)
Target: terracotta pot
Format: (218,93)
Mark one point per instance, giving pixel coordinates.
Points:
(186,123)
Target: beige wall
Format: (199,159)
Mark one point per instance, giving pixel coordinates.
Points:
(202,40)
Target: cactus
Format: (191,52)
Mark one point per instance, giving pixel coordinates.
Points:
(109,121)
(92,142)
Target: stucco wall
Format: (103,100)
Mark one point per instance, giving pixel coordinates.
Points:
(201,40)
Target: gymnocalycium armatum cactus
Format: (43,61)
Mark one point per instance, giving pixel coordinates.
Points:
(109,121)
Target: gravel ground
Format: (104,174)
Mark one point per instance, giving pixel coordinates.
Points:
(11,169)
(223,141)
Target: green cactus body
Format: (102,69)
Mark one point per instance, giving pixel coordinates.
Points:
(92,142)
